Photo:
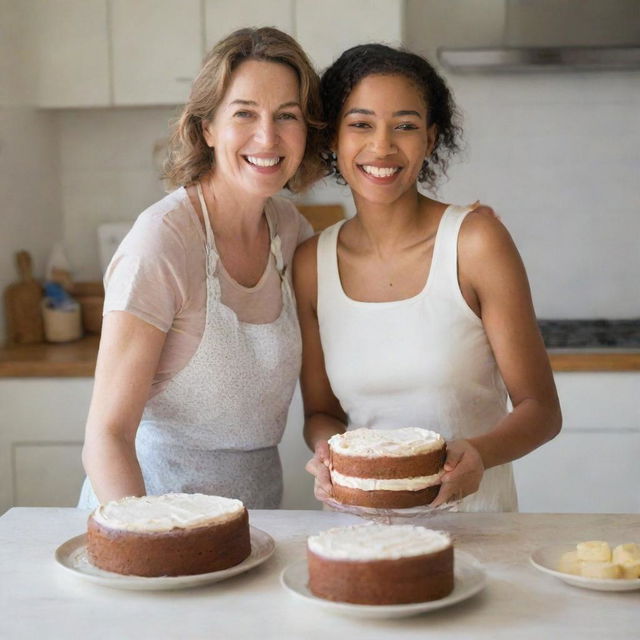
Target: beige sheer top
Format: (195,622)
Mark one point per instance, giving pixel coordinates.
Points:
(158,273)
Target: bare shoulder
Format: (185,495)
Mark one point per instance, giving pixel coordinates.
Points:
(488,259)
(483,236)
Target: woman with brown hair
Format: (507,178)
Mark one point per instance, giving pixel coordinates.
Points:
(200,347)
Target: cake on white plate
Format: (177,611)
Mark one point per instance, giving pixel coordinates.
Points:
(169,535)
(380,564)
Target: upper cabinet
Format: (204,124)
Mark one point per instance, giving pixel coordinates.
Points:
(363,21)
(71,53)
(222,17)
(157,50)
(99,53)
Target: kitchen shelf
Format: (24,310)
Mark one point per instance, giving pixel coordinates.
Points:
(46,360)
(78,359)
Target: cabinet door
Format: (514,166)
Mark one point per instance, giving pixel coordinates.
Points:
(47,474)
(582,471)
(360,22)
(41,434)
(157,50)
(223,17)
(71,53)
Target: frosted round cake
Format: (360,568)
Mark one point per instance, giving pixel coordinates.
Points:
(380,564)
(386,468)
(169,535)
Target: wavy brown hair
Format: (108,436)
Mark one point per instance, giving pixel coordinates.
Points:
(189,157)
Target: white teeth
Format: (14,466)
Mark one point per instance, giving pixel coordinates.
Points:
(263,162)
(380,172)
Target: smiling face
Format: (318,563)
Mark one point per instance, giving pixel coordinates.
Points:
(258,132)
(383,138)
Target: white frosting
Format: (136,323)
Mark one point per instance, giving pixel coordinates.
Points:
(377,542)
(166,512)
(385,484)
(373,443)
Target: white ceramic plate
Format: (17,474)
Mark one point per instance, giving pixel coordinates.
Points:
(547,560)
(72,556)
(469,578)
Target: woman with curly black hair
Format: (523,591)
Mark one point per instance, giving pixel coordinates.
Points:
(415,312)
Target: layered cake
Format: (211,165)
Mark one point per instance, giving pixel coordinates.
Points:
(380,564)
(170,535)
(386,468)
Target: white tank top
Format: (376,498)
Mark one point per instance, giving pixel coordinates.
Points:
(420,362)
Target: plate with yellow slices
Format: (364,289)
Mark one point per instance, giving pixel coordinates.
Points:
(593,564)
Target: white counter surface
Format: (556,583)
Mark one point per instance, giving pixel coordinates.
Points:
(38,599)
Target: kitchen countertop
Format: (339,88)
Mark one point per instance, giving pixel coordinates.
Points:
(39,599)
(78,359)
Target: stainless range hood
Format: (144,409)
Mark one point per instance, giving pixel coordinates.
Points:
(510,59)
(546,35)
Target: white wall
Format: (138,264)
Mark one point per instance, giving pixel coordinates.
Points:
(110,163)
(109,172)
(557,156)
(30,213)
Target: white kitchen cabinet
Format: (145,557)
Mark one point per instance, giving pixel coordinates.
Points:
(222,17)
(41,435)
(71,53)
(46,474)
(364,21)
(157,50)
(592,466)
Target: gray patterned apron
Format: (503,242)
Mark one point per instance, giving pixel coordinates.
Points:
(216,426)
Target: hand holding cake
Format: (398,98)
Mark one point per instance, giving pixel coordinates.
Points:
(318,467)
(463,471)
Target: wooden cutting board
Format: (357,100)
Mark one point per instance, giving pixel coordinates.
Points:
(22,305)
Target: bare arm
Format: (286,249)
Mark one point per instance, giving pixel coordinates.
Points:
(494,282)
(127,361)
(324,416)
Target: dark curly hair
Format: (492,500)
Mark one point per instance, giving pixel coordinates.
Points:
(355,64)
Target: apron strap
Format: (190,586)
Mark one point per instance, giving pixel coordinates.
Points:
(205,215)
(276,250)
(276,244)
(211,253)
